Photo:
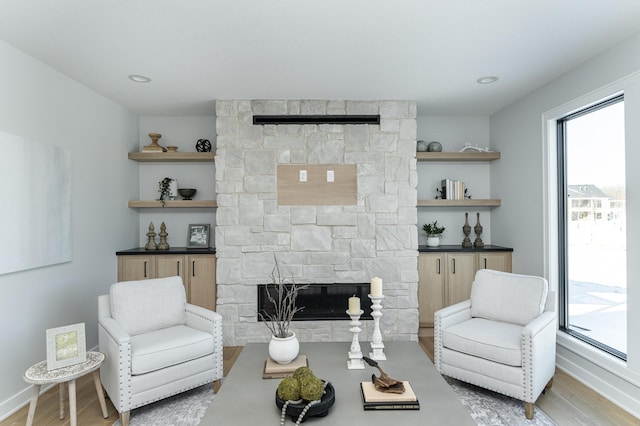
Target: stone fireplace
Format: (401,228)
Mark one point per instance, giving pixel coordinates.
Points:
(320,244)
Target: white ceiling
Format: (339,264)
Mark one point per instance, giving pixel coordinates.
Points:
(432,51)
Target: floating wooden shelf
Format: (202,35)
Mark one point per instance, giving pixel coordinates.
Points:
(460,203)
(457,156)
(144,204)
(184,157)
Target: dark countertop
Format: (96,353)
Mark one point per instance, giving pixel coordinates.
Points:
(459,248)
(172,250)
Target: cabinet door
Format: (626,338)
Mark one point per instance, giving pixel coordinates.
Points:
(461,270)
(202,281)
(171,266)
(133,268)
(499,261)
(431,275)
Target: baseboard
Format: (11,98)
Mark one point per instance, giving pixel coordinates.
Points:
(19,400)
(607,381)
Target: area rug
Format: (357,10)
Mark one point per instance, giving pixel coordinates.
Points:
(184,409)
(485,407)
(493,409)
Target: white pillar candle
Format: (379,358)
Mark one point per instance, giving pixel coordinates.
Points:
(376,286)
(354,305)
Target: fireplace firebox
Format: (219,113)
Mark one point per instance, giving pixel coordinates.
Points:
(322,302)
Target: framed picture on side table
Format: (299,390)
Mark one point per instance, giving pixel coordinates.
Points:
(198,235)
(66,346)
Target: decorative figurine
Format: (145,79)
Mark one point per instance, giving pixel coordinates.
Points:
(154,146)
(478,230)
(466,230)
(151,244)
(384,383)
(163,245)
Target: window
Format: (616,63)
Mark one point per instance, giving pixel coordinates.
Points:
(592,224)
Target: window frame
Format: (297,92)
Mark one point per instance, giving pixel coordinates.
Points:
(562,211)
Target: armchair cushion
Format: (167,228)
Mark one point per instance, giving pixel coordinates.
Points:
(168,346)
(507,297)
(147,305)
(486,339)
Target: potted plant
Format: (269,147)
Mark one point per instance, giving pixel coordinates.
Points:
(283,295)
(434,232)
(168,189)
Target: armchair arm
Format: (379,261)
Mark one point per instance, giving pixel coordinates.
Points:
(203,319)
(115,373)
(538,354)
(444,318)
(453,314)
(209,322)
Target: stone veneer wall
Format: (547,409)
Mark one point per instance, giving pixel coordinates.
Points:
(316,244)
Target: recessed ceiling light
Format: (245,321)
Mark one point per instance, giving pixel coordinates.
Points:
(487,80)
(139,78)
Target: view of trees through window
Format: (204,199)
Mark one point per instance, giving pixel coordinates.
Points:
(595,257)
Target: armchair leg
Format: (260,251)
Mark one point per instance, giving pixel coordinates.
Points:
(549,384)
(124,418)
(216,386)
(528,410)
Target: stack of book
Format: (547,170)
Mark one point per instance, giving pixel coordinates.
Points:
(273,370)
(373,399)
(452,189)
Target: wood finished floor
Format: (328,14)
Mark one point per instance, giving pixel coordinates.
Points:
(568,403)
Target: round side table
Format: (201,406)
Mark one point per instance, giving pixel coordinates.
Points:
(38,375)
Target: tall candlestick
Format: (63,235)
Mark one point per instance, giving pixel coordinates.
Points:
(377,346)
(355,361)
(376,286)
(354,305)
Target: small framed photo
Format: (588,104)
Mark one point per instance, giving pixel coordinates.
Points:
(66,346)
(198,235)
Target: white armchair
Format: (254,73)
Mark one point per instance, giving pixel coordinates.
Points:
(156,344)
(503,338)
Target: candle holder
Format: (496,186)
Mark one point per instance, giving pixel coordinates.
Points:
(377,346)
(355,361)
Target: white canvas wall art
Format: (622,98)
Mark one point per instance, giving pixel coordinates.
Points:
(35,218)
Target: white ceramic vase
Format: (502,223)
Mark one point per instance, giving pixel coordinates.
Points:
(433,240)
(283,350)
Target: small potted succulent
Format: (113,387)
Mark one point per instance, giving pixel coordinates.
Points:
(434,232)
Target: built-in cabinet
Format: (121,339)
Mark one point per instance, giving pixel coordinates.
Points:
(196,267)
(447,272)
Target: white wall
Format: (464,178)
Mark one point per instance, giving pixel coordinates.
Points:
(517,131)
(453,133)
(40,104)
(182,132)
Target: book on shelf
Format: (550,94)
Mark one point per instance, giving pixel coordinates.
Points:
(373,399)
(452,189)
(273,370)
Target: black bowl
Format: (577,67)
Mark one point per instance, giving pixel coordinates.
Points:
(187,193)
(320,409)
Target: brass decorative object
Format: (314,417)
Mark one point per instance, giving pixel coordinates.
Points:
(478,230)
(151,235)
(384,383)
(154,146)
(466,230)
(162,244)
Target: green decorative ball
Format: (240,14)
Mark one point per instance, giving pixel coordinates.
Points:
(289,389)
(302,372)
(311,388)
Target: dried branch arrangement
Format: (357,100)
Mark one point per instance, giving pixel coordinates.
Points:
(282,296)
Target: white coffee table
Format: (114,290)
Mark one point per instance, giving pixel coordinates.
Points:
(247,399)
(38,375)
